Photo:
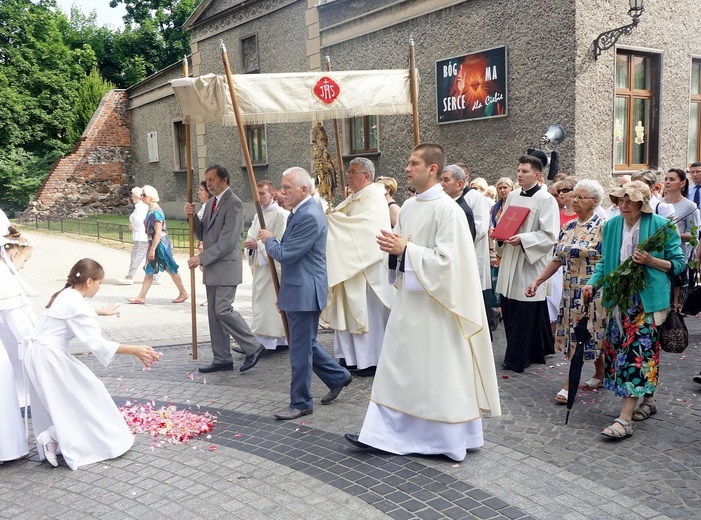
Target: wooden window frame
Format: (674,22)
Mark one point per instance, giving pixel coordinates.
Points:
(262,151)
(366,136)
(180,146)
(696,98)
(631,94)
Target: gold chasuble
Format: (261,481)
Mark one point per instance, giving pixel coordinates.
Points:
(437,362)
(354,260)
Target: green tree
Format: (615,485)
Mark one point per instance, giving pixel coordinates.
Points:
(159,24)
(90,93)
(40,78)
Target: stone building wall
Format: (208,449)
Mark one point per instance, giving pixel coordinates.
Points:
(669,30)
(540,74)
(552,78)
(92,178)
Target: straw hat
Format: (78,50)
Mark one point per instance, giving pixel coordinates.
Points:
(637,191)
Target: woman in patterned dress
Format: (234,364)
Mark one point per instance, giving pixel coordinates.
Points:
(160,251)
(631,345)
(578,250)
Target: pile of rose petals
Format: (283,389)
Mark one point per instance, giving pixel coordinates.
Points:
(166,423)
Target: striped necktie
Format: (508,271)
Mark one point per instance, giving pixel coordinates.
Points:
(214,205)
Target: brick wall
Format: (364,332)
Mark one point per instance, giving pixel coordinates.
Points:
(92,178)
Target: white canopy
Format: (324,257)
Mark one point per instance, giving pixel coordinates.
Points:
(295,97)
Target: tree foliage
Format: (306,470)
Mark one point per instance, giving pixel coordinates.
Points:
(55,69)
(154,32)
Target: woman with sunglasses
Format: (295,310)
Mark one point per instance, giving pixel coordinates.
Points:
(564,193)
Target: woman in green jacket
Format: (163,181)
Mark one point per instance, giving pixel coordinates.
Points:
(631,347)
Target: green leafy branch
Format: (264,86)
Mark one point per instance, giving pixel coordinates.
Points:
(629,278)
(693,242)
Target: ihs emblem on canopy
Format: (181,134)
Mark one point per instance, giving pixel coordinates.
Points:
(326,90)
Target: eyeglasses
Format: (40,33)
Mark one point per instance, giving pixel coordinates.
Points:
(564,190)
(143,195)
(578,197)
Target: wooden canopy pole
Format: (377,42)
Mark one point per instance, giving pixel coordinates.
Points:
(251,175)
(414,90)
(190,222)
(339,152)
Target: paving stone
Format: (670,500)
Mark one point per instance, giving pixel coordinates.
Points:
(532,466)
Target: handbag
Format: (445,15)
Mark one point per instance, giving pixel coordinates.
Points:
(674,336)
(492,298)
(692,303)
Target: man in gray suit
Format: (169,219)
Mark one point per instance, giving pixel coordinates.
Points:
(220,232)
(303,288)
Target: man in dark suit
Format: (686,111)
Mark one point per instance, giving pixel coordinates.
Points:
(453,183)
(220,232)
(303,290)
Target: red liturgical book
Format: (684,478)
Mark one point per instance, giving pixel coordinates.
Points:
(510,222)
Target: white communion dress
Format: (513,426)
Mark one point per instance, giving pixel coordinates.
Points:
(67,398)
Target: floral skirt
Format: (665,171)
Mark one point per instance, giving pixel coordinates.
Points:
(163,260)
(632,355)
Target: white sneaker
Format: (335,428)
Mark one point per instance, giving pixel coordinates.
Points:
(156,280)
(125,281)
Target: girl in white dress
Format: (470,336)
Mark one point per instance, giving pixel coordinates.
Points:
(72,412)
(17,320)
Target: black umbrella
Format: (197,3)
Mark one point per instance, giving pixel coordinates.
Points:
(583,336)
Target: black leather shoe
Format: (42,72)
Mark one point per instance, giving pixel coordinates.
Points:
(507,367)
(292,413)
(697,379)
(333,393)
(251,360)
(353,439)
(364,372)
(238,350)
(216,367)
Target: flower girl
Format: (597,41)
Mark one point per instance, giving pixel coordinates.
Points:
(72,412)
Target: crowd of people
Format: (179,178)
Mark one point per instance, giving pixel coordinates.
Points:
(393,282)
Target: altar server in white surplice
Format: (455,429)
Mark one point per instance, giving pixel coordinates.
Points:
(523,257)
(72,412)
(266,323)
(360,295)
(436,373)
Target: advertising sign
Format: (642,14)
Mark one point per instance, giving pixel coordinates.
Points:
(472,86)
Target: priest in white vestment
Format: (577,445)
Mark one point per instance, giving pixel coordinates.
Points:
(523,257)
(436,374)
(266,322)
(360,296)
(481,208)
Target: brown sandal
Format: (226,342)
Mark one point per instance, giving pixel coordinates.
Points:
(180,299)
(640,413)
(136,301)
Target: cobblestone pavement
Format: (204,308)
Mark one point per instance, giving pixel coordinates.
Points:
(532,465)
